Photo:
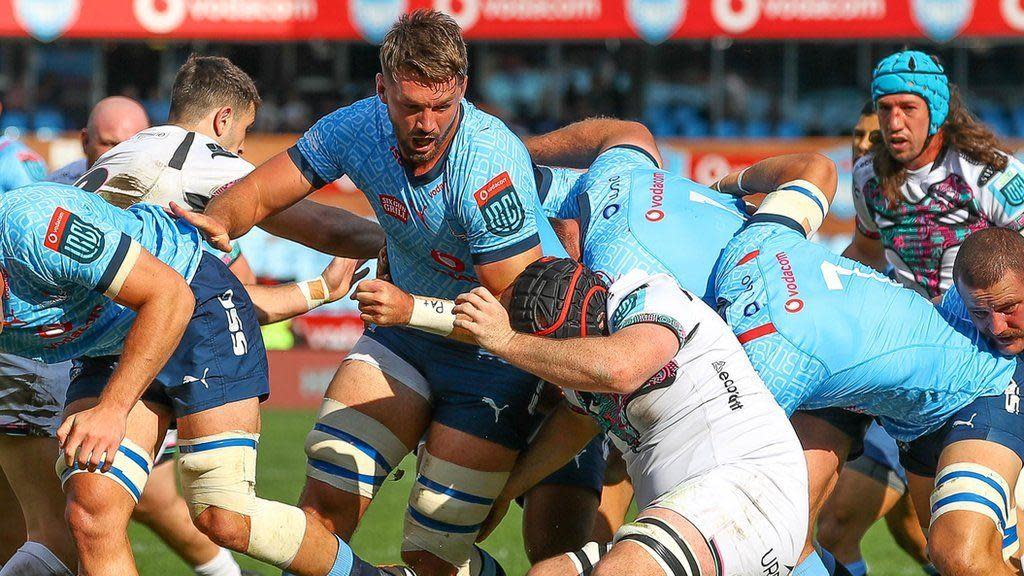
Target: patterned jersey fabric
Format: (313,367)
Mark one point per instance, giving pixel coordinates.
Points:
(65,253)
(941,204)
(19,165)
(476,206)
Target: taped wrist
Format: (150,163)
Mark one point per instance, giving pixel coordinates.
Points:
(797,200)
(315,292)
(432,315)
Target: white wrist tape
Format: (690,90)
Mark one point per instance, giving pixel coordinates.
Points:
(800,201)
(432,315)
(315,291)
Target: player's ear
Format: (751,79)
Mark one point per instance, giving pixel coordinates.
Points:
(84,137)
(381,91)
(221,120)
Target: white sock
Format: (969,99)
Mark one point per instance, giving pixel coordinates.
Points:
(34,559)
(223,564)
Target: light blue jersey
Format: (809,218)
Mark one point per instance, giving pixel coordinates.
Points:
(634,215)
(19,165)
(825,331)
(65,254)
(476,206)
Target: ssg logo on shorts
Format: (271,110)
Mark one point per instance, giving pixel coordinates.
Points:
(239,345)
(500,206)
(73,237)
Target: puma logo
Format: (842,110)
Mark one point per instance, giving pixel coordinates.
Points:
(968,423)
(192,379)
(497,411)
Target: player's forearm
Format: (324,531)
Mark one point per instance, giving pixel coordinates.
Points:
(267,190)
(562,436)
(327,229)
(598,364)
(277,303)
(153,337)
(578,145)
(771,173)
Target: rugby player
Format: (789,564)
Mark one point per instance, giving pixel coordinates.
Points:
(162,330)
(935,176)
(873,485)
(930,380)
(454,190)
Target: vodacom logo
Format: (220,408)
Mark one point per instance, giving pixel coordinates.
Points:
(1013,12)
(736,16)
(160,16)
(465,12)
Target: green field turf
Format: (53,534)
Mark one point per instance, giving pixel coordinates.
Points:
(281,473)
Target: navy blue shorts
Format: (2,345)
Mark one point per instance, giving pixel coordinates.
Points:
(219,360)
(994,418)
(471,390)
(852,424)
(585,470)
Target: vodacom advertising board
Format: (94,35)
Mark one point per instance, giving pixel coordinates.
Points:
(651,20)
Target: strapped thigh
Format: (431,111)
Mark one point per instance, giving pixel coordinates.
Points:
(663,543)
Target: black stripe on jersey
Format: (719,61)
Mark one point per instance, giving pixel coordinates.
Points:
(640,150)
(115,263)
(584,561)
(178,159)
(777,219)
(307,170)
(658,548)
(506,252)
(694,567)
(543,176)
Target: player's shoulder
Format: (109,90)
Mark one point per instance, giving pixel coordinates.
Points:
(69,173)
(362,115)
(210,159)
(483,134)
(863,170)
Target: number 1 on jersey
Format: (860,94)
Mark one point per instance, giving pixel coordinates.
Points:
(831,273)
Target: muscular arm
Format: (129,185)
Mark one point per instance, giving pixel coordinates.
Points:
(867,251)
(163,304)
(577,145)
(284,301)
(327,229)
(770,173)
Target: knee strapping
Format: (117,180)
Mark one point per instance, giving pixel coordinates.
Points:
(447,506)
(130,469)
(799,200)
(351,451)
(663,543)
(587,557)
(974,488)
(220,471)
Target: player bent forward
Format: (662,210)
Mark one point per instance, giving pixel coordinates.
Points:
(719,474)
(163,329)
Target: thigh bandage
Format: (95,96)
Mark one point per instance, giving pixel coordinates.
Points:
(350,451)
(447,506)
(584,559)
(220,471)
(663,543)
(975,488)
(800,201)
(130,469)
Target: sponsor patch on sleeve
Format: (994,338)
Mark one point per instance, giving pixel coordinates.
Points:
(1011,186)
(500,206)
(73,237)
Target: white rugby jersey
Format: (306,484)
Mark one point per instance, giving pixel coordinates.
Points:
(707,407)
(164,164)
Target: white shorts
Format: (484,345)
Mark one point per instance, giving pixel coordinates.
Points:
(377,355)
(754,524)
(32,396)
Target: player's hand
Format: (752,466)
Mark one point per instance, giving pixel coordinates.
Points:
(498,511)
(90,438)
(383,265)
(382,303)
(341,274)
(214,232)
(479,313)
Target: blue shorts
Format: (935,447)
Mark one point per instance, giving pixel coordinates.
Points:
(586,470)
(219,360)
(470,390)
(994,418)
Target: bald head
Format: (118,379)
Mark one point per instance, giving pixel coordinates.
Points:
(112,121)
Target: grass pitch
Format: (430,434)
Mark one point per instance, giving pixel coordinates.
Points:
(282,465)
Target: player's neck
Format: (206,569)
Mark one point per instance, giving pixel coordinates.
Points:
(929,154)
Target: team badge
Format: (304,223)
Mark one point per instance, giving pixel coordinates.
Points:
(46,20)
(1011,186)
(655,20)
(73,237)
(942,20)
(373,18)
(500,206)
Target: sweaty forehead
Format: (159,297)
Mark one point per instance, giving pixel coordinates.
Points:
(1007,290)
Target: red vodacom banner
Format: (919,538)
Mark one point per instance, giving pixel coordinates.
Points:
(651,20)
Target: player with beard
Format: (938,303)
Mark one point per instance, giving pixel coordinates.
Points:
(455,192)
(935,176)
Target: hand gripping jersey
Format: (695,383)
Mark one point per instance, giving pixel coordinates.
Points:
(707,407)
(824,331)
(476,206)
(161,165)
(19,165)
(634,215)
(65,254)
(940,205)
